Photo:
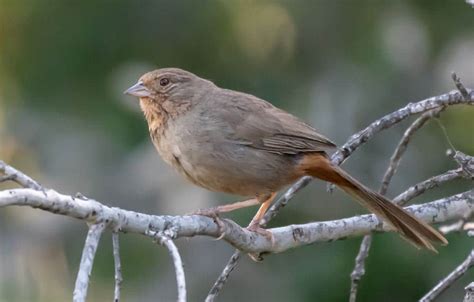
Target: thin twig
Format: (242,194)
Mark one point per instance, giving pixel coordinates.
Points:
(387,121)
(20,178)
(432,182)
(220,282)
(359,268)
(457,273)
(87,260)
(165,240)
(117,265)
(355,141)
(402,146)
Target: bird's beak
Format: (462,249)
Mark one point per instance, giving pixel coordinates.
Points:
(138,90)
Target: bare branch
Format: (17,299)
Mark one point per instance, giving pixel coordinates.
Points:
(355,141)
(464,160)
(220,282)
(359,268)
(20,178)
(286,237)
(87,260)
(117,265)
(402,146)
(165,240)
(430,183)
(450,279)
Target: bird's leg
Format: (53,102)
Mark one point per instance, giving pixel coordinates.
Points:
(254,226)
(215,211)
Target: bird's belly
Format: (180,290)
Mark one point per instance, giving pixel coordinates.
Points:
(240,172)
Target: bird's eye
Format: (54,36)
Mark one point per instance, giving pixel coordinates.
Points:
(164,82)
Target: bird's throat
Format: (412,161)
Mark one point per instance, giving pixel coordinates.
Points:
(155,115)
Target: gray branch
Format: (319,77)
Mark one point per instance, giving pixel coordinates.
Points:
(355,141)
(442,210)
(20,178)
(164,239)
(450,279)
(87,260)
(117,266)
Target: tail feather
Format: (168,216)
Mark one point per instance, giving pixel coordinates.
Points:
(411,228)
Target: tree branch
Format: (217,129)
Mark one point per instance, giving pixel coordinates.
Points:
(286,237)
(20,178)
(117,266)
(165,240)
(450,279)
(355,141)
(87,259)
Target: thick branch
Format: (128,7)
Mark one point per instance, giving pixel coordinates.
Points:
(250,242)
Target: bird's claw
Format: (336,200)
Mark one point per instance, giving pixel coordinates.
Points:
(257,228)
(214,214)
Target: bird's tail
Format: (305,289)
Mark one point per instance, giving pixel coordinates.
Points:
(411,228)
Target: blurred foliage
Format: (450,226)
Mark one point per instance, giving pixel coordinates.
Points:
(338,64)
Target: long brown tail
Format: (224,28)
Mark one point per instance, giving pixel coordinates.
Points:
(411,228)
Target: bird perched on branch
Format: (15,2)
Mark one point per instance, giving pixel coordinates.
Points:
(232,142)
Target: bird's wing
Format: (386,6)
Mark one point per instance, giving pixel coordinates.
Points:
(261,125)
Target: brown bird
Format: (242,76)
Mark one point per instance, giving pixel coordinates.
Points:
(232,142)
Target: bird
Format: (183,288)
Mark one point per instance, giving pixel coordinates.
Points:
(233,142)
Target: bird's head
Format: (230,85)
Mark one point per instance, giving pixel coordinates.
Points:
(168,84)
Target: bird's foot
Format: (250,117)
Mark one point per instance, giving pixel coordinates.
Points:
(255,226)
(214,214)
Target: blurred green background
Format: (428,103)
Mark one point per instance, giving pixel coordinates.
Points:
(337,64)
